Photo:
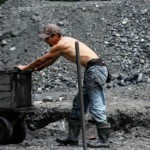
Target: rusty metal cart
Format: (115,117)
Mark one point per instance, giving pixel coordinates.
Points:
(15,104)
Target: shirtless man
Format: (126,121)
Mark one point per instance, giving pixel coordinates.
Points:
(95,77)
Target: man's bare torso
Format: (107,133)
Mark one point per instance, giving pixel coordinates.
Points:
(68,50)
(63,46)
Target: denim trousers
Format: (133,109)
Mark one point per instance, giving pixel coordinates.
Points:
(93,94)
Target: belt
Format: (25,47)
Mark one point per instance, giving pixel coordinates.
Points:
(97,61)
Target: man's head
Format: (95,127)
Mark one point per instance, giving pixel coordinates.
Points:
(49,31)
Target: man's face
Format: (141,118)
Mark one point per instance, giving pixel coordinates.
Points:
(48,40)
(52,40)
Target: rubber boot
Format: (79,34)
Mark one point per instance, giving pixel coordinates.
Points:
(103,130)
(72,137)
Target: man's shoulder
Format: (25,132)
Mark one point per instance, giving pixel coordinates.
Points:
(64,42)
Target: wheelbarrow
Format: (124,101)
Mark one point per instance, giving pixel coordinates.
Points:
(15,104)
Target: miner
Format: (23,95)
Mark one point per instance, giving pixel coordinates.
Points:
(95,76)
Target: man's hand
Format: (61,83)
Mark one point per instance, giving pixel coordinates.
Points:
(21,67)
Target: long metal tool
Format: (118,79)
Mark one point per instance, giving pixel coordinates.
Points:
(80,94)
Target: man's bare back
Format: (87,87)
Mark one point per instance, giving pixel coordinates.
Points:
(69,52)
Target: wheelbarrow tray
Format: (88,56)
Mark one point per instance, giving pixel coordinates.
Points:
(15,89)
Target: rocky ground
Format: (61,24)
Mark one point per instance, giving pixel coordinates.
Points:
(119,30)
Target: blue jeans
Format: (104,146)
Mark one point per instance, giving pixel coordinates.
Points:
(93,94)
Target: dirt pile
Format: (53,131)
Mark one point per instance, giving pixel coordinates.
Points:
(119,31)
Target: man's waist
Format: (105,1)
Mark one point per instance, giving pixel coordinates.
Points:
(97,61)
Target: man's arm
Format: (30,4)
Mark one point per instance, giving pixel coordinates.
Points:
(47,59)
(45,64)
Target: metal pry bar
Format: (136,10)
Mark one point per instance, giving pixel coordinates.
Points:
(80,94)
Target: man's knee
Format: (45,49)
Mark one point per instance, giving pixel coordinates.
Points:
(75,115)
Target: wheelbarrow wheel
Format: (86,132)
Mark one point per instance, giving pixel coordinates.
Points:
(19,133)
(6,130)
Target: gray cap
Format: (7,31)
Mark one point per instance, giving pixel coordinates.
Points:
(48,30)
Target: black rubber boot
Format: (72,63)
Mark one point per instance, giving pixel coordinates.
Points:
(103,130)
(72,138)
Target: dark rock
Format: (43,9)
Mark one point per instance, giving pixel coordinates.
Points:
(48,99)
(3,42)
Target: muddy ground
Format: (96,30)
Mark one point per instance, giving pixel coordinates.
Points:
(118,30)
